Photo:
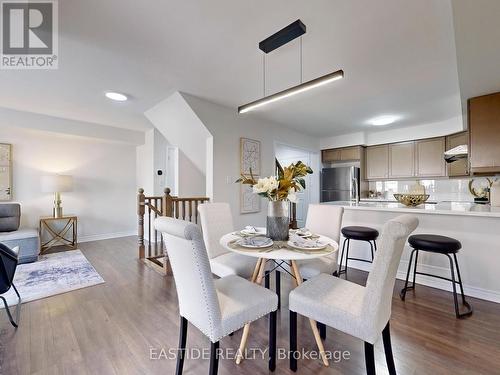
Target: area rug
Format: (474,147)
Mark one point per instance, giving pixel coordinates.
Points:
(53,274)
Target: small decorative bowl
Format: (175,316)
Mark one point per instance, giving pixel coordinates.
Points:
(411,200)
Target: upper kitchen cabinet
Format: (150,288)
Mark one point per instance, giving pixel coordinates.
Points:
(402,160)
(377,162)
(430,157)
(484,128)
(330,156)
(460,167)
(352,153)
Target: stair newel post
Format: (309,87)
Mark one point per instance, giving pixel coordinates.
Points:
(167,203)
(141,199)
(166,210)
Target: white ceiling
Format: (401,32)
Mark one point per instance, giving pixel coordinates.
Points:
(398,56)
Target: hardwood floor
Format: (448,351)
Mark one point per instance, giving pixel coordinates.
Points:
(111,329)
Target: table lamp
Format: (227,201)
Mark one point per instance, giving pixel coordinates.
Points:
(57,184)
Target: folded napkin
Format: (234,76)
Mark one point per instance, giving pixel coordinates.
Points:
(258,241)
(303,232)
(306,243)
(250,229)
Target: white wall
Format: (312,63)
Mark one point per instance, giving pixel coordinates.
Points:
(227,126)
(180,126)
(145,163)
(104,178)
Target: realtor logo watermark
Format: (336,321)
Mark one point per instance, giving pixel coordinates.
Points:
(29,35)
(335,356)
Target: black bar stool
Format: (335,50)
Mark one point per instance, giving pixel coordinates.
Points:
(439,245)
(360,234)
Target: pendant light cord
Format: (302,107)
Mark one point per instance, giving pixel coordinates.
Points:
(301,71)
(264,68)
(264,72)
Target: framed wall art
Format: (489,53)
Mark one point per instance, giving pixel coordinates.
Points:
(5,172)
(249,201)
(249,156)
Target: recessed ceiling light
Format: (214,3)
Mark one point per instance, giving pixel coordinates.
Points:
(116,96)
(383,120)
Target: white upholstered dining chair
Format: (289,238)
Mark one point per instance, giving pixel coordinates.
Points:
(363,312)
(326,220)
(216,307)
(216,221)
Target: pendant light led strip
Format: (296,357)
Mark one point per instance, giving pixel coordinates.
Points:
(306,86)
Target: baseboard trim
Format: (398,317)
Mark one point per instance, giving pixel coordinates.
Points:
(105,236)
(469,290)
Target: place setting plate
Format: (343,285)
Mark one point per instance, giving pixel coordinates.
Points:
(251,231)
(306,244)
(254,242)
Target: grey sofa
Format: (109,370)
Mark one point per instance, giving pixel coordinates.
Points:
(11,235)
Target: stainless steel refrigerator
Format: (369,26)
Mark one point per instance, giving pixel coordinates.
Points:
(340,184)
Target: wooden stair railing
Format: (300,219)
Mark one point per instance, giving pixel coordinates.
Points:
(151,249)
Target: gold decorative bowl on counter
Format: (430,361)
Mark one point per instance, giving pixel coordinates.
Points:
(411,200)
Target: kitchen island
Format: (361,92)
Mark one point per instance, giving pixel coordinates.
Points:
(476,226)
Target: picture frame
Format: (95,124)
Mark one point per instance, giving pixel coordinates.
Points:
(250,156)
(249,201)
(6,189)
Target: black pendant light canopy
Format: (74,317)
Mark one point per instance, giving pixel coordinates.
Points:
(282,37)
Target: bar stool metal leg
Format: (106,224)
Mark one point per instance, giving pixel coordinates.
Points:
(347,256)
(342,257)
(455,298)
(415,268)
(469,309)
(371,249)
(402,294)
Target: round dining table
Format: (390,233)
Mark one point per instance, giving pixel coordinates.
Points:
(281,256)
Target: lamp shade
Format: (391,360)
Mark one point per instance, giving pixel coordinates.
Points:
(56,183)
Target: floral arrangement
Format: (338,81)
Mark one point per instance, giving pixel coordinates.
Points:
(282,187)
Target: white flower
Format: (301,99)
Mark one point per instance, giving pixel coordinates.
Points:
(292,196)
(265,185)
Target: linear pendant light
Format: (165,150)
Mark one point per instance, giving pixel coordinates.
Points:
(306,86)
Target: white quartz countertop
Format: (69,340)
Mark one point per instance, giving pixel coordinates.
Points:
(441,208)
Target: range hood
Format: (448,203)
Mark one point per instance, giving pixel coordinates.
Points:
(456,153)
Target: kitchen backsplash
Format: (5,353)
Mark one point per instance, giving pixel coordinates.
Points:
(456,190)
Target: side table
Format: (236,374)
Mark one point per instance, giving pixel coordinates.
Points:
(62,234)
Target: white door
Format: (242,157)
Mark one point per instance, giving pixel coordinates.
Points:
(287,155)
(5,172)
(172,170)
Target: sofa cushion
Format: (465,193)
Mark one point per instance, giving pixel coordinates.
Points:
(10,215)
(18,234)
(27,240)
